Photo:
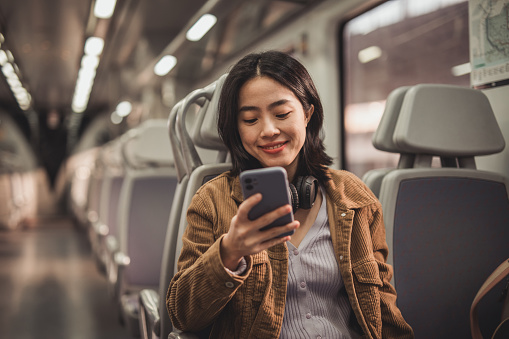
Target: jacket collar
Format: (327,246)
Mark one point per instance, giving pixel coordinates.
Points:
(347,191)
(236,192)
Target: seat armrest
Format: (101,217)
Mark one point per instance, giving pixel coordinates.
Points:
(112,244)
(149,313)
(101,229)
(121,259)
(120,262)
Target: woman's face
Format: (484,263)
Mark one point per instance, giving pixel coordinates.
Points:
(272,123)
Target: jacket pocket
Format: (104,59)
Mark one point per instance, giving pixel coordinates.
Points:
(260,258)
(367,284)
(368,273)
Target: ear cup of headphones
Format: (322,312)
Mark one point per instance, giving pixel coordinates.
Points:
(295,197)
(304,192)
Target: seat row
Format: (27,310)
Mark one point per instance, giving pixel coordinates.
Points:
(131,195)
(18,177)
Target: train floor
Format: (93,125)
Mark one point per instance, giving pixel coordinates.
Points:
(50,286)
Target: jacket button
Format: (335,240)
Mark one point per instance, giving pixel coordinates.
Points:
(343,214)
(229,284)
(340,257)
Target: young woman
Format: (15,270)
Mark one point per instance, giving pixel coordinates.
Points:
(330,278)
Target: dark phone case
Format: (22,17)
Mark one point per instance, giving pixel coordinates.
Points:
(272,183)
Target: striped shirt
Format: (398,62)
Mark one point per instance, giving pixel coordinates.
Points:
(317,305)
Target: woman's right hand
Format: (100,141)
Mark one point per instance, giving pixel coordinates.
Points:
(245,237)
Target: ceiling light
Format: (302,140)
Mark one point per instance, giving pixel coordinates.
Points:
(78,109)
(9,56)
(90,61)
(462,69)
(94,46)
(83,89)
(103,9)
(8,70)
(124,108)
(115,118)
(369,54)
(14,82)
(3,57)
(165,65)
(201,27)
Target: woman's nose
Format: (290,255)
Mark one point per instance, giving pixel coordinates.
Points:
(269,128)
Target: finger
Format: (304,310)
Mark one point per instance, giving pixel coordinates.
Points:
(271,216)
(257,237)
(276,231)
(274,241)
(248,204)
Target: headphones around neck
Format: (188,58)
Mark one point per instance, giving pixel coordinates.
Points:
(303,192)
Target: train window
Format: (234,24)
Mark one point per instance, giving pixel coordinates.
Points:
(398,43)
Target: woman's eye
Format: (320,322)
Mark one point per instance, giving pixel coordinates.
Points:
(249,121)
(282,116)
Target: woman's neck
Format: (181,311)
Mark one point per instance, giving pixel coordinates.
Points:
(291,170)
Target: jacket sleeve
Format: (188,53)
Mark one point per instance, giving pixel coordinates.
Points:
(393,323)
(202,287)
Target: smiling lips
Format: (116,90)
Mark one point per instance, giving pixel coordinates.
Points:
(274,148)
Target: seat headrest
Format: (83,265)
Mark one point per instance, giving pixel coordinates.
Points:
(205,133)
(382,138)
(447,120)
(148,145)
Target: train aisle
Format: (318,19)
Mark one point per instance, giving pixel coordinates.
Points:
(50,286)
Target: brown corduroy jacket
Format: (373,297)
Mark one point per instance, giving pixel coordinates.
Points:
(204,294)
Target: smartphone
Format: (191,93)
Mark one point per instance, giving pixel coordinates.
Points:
(272,183)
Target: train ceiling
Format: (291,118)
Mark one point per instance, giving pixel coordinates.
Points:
(46,41)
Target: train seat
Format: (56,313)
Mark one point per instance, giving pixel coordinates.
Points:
(446,227)
(10,216)
(145,195)
(155,320)
(150,318)
(79,169)
(95,228)
(382,139)
(18,191)
(93,195)
(18,166)
(105,230)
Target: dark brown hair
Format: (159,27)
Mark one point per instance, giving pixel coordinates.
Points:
(292,74)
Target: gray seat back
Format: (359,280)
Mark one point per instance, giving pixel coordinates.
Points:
(198,172)
(382,139)
(113,177)
(82,164)
(446,227)
(173,220)
(94,193)
(203,135)
(145,199)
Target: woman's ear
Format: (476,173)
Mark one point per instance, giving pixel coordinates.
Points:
(309,113)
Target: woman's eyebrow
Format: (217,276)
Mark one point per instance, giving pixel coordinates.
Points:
(278,103)
(271,106)
(248,108)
